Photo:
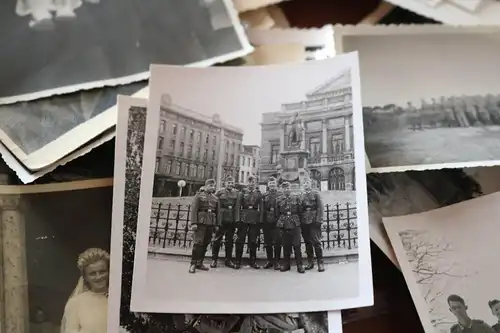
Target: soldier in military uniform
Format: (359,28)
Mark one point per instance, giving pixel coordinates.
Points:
(204,210)
(312,218)
(251,205)
(465,323)
(269,219)
(288,209)
(229,215)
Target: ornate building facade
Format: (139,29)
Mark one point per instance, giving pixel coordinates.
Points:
(193,147)
(249,163)
(326,117)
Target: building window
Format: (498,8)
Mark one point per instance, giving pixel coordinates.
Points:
(172,144)
(190,151)
(253,162)
(209,172)
(177,168)
(232,160)
(198,136)
(193,171)
(225,158)
(315,146)
(242,177)
(191,134)
(174,129)
(163,124)
(207,138)
(160,143)
(205,155)
(227,145)
(337,146)
(275,152)
(181,149)
(197,155)
(232,146)
(214,140)
(336,180)
(183,131)
(239,147)
(157,165)
(248,175)
(168,168)
(186,170)
(213,154)
(201,172)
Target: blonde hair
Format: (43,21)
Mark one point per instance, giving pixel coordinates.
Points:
(90,256)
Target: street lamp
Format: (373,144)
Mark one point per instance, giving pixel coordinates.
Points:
(181,183)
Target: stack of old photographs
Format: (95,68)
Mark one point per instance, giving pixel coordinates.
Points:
(203,240)
(431,119)
(57,101)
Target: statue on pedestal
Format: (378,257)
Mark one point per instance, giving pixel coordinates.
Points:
(296,132)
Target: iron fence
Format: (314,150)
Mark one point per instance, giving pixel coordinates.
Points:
(170,228)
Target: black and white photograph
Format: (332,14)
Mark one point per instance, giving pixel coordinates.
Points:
(66,46)
(39,133)
(455,12)
(130,147)
(262,187)
(402,193)
(447,122)
(448,264)
(55,267)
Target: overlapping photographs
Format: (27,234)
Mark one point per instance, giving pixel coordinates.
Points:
(448,122)
(107,43)
(129,157)
(306,139)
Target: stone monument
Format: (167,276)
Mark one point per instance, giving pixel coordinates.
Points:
(294,155)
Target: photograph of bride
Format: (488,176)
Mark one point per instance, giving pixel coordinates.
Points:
(57,241)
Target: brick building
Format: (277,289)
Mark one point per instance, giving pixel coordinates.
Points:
(249,163)
(193,147)
(326,113)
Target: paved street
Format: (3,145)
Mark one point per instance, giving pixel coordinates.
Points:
(168,279)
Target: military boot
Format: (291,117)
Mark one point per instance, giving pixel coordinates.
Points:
(270,260)
(201,267)
(239,255)
(253,258)
(298,259)
(192,268)
(277,255)
(319,255)
(229,263)
(214,263)
(310,257)
(286,262)
(215,255)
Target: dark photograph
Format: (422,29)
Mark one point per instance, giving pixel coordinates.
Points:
(56,243)
(68,45)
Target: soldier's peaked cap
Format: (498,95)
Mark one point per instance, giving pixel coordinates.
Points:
(285,185)
(209,182)
(272,179)
(230,179)
(252,178)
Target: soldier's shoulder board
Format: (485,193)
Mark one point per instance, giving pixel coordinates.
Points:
(479,321)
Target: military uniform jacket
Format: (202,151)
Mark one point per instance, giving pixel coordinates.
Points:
(476,326)
(251,206)
(204,209)
(269,214)
(229,206)
(289,210)
(312,207)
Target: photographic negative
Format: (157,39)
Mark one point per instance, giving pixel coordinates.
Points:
(455,12)
(262,184)
(55,267)
(445,256)
(129,156)
(108,43)
(448,122)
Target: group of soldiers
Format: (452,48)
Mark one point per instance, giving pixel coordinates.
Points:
(282,216)
(462,111)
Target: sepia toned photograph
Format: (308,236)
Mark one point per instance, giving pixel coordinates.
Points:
(447,122)
(54,273)
(445,256)
(109,42)
(130,147)
(269,197)
(402,193)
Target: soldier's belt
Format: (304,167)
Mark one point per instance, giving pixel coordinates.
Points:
(206,210)
(227,207)
(251,208)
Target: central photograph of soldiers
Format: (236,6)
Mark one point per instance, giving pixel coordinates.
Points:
(254,203)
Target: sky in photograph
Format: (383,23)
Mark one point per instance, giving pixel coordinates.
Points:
(240,95)
(398,69)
